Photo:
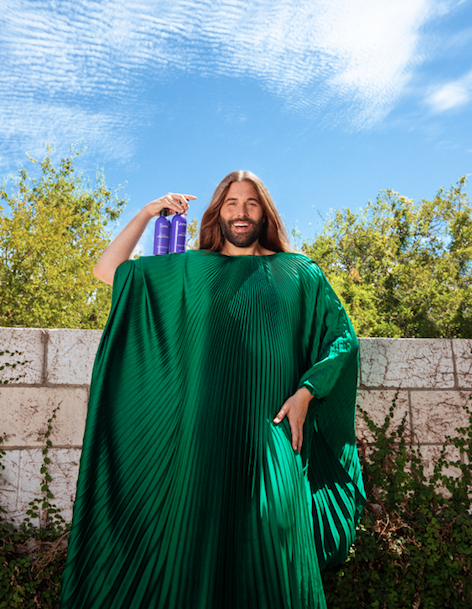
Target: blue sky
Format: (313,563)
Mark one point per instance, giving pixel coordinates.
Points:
(328,101)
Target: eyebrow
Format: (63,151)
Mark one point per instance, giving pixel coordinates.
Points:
(248,199)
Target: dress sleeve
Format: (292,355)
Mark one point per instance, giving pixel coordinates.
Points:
(330,451)
(333,344)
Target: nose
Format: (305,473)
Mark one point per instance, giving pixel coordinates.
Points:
(241,211)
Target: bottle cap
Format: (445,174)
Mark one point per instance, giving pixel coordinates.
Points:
(163,212)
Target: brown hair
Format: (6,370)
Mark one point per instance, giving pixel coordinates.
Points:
(274,236)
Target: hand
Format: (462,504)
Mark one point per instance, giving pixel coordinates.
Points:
(173,202)
(295,409)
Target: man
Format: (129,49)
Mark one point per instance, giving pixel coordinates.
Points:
(219,467)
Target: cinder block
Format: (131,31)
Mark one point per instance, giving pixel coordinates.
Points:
(63,470)
(406,363)
(430,456)
(24,412)
(465,458)
(463,354)
(437,414)
(9,481)
(71,354)
(377,404)
(25,483)
(29,483)
(29,341)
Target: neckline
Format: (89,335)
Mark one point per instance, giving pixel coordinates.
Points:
(250,256)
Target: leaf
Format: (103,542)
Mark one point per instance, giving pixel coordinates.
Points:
(52,235)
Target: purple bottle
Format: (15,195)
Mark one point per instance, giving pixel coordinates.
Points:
(178,234)
(161,234)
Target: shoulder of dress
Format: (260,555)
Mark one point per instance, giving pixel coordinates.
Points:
(127,264)
(304,262)
(168,263)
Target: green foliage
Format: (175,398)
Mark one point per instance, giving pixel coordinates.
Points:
(402,269)
(51,520)
(32,558)
(192,235)
(30,569)
(414,543)
(51,236)
(296,238)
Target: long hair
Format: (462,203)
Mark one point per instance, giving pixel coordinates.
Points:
(273,237)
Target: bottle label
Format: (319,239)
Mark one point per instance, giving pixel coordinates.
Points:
(161,236)
(178,235)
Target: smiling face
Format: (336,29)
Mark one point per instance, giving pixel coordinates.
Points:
(242,215)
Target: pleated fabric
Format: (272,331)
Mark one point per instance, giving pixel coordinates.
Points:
(189,496)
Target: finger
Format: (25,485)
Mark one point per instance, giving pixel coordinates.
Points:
(174,205)
(167,204)
(182,202)
(295,435)
(183,198)
(178,199)
(300,440)
(281,414)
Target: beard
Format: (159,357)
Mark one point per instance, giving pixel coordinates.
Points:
(250,236)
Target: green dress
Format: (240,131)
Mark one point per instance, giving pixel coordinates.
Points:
(189,496)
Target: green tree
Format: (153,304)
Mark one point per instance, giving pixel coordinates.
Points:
(402,269)
(51,235)
(192,235)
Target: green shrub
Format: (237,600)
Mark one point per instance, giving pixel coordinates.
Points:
(32,557)
(414,541)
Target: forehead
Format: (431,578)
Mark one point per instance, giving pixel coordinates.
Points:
(241,190)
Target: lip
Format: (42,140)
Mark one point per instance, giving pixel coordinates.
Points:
(241,229)
(241,226)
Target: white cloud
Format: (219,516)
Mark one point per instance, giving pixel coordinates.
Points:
(451,95)
(82,67)
(37,124)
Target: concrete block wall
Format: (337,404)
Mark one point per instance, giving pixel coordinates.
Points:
(57,373)
(433,378)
